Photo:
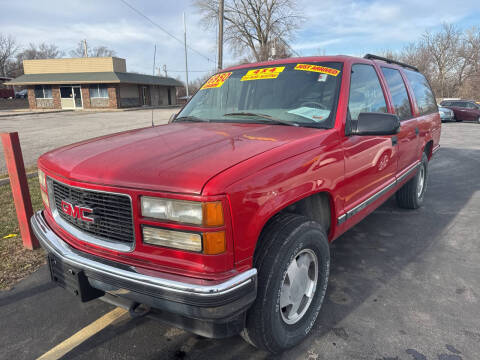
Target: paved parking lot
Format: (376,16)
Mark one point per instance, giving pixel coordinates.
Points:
(40,133)
(405,285)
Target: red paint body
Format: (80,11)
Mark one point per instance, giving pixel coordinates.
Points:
(256,170)
(19,185)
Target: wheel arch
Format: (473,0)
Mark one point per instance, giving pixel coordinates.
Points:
(318,206)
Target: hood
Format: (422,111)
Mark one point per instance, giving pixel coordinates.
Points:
(179,157)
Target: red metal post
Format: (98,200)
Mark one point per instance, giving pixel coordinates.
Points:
(19,185)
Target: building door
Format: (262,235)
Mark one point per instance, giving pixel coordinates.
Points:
(77,97)
(169,96)
(144,95)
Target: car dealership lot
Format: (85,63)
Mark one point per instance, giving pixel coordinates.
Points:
(40,133)
(404,284)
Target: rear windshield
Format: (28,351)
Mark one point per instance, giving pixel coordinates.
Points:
(302,94)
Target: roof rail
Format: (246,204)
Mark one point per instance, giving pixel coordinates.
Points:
(390,61)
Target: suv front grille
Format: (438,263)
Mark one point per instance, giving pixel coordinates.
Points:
(112,213)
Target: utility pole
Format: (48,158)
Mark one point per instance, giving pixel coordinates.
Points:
(185,43)
(154,58)
(220,34)
(165,70)
(85,48)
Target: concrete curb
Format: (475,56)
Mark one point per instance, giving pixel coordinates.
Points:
(34,113)
(7,180)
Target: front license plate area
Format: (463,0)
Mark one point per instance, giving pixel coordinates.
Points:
(72,279)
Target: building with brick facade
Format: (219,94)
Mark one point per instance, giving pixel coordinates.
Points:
(92,83)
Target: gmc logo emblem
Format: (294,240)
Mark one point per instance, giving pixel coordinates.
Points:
(78,212)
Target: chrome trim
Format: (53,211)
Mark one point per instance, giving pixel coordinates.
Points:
(371,199)
(341,219)
(55,245)
(408,172)
(81,235)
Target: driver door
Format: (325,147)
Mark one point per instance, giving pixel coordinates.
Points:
(370,161)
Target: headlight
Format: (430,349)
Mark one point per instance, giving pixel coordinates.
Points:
(172,239)
(41,179)
(188,212)
(211,243)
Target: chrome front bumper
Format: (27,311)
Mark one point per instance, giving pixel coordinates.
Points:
(218,301)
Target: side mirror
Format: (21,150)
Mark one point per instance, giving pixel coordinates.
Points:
(172,117)
(375,124)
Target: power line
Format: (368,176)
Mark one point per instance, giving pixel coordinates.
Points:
(164,30)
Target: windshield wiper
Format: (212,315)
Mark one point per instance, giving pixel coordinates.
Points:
(191,118)
(265,117)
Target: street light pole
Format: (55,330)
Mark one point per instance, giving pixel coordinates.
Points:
(220,34)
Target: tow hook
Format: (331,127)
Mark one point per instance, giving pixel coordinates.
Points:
(138,310)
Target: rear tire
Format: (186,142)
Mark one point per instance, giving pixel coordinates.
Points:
(293,263)
(411,195)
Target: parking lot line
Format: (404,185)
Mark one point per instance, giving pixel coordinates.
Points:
(76,339)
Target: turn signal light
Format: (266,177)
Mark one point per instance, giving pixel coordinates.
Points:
(214,243)
(45,198)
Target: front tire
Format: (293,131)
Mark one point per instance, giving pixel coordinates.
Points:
(293,263)
(411,195)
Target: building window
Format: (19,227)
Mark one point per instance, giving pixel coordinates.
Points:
(98,91)
(43,92)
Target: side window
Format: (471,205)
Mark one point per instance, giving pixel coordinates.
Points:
(423,94)
(399,93)
(366,94)
(471,106)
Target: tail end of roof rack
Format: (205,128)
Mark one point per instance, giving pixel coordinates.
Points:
(389,61)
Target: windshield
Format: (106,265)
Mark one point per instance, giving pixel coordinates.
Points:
(298,94)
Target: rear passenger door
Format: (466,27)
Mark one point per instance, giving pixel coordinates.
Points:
(408,136)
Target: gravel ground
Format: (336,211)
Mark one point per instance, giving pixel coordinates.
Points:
(404,285)
(40,133)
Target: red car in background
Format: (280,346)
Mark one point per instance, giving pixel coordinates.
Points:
(6,92)
(467,110)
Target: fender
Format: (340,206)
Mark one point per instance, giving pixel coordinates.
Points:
(262,194)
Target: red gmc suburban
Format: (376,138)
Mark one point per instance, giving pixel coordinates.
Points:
(220,221)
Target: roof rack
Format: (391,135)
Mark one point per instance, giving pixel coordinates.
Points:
(390,61)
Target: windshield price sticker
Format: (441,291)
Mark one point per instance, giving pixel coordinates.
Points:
(216,81)
(318,69)
(265,73)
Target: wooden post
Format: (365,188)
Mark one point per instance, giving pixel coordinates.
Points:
(19,185)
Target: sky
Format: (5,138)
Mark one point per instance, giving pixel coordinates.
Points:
(352,27)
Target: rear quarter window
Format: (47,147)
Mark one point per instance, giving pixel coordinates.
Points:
(423,93)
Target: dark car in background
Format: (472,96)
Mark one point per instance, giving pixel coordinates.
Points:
(464,110)
(446,114)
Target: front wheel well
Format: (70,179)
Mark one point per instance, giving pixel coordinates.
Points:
(317,207)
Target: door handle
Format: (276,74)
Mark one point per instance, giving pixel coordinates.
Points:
(394,140)
(417,131)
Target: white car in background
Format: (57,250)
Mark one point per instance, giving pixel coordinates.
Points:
(446,114)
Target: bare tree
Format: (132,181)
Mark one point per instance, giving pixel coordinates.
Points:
(442,48)
(8,49)
(253,25)
(99,51)
(449,58)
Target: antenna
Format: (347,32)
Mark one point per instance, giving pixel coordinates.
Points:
(153,74)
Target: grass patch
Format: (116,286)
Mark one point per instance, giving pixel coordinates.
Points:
(27,170)
(17,262)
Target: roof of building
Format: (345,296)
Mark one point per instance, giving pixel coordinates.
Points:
(93,78)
